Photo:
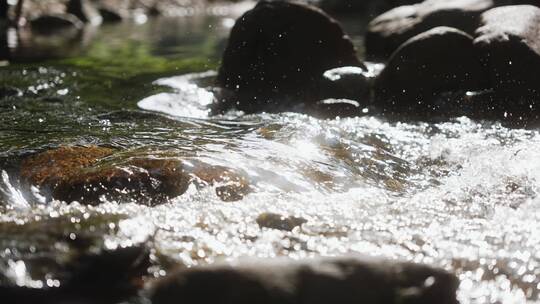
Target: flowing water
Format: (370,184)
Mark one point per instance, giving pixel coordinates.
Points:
(460,194)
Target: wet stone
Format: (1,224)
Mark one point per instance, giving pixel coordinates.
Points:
(73,174)
(277,53)
(348,83)
(391,29)
(279,222)
(89,174)
(230,185)
(345,280)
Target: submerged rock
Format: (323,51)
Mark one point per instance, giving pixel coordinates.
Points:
(508,43)
(83,174)
(74,174)
(389,30)
(332,280)
(277,54)
(230,185)
(426,66)
(49,24)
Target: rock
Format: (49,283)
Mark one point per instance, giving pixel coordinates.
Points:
(8,91)
(83,10)
(74,174)
(106,277)
(84,174)
(278,52)
(352,83)
(54,165)
(331,280)
(4,8)
(425,67)
(230,185)
(389,30)
(508,43)
(280,222)
(49,24)
(109,15)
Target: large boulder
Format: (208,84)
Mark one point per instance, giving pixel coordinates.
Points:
(389,30)
(345,280)
(424,68)
(508,43)
(279,51)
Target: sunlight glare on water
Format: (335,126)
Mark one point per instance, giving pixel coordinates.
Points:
(460,194)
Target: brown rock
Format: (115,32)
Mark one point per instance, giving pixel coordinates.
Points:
(230,185)
(75,174)
(52,166)
(344,280)
(280,222)
(83,174)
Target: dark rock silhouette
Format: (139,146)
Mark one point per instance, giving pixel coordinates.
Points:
(389,30)
(508,43)
(440,60)
(345,280)
(106,277)
(277,54)
(352,83)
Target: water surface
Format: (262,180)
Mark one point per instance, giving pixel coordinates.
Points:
(459,194)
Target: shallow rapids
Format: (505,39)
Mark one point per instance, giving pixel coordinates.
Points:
(462,194)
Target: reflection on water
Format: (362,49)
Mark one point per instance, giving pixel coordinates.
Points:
(460,194)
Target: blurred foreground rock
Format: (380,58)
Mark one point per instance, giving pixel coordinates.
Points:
(105,277)
(345,280)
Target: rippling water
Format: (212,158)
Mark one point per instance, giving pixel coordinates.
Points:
(460,194)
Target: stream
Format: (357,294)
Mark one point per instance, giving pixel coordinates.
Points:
(459,194)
